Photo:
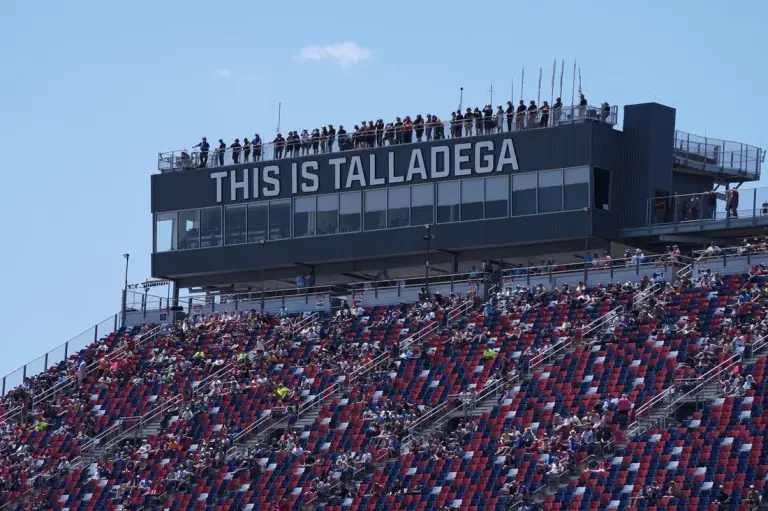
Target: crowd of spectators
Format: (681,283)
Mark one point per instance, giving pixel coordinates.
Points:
(403,130)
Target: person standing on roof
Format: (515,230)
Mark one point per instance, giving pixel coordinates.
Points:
(204,148)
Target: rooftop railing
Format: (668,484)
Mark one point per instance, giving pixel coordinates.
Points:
(707,207)
(719,155)
(269,150)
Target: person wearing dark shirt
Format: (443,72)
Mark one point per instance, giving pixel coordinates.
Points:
(418,126)
(488,119)
(222,150)
(331,137)
(478,115)
(256,145)
(430,127)
(371,135)
(324,140)
(606,112)
(456,124)
(236,151)
(439,128)
(379,132)
(582,106)
(533,115)
(520,119)
(557,110)
(398,131)
(510,115)
(469,118)
(722,499)
(246,150)
(315,139)
(544,109)
(279,142)
(342,138)
(204,148)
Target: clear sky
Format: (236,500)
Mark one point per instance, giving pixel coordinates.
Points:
(92,91)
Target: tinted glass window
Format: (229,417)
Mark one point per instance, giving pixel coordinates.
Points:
(304,211)
(189,229)
(165,232)
(258,222)
(399,206)
(448,202)
(328,214)
(210,227)
(349,212)
(524,194)
(234,224)
(497,197)
(280,220)
(472,198)
(422,204)
(576,188)
(550,191)
(375,210)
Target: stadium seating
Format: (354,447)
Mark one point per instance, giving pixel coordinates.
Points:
(370,443)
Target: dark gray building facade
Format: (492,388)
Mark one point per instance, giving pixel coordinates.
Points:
(493,196)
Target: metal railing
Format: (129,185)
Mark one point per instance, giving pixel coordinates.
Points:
(693,387)
(61,353)
(275,150)
(267,422)
(719,155)
(70,381)
(706,207)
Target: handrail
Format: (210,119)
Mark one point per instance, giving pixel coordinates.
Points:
(699,383)
(601,321)
(48,476)
(356,374)
(644,295)
(65,345)
(190,159)
(61,386)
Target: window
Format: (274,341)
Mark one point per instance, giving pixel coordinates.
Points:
(328,214)
(304,214)
(422,204)
(550,191)
(399,207)
(497,197)
(524,194)
(258,222)
(448,202)
(165,232)
(375,210)
(280,219)
(602,189)
(189,229)
(472,198)
(210,227)
(349,212)
(234,224)
(575,188)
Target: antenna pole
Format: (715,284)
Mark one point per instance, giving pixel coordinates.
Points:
(573,86)
(538,94)
(562,75)
(554,70)
(279,115)
(491,91)
(522,84)
(461,97)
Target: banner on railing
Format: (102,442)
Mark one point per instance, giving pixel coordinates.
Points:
(319,301)
(358,296)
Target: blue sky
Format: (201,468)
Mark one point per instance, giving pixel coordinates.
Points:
(92,91)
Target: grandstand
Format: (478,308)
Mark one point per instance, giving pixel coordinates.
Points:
(414,368)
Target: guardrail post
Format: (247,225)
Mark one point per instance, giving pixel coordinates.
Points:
(95,333)
(754,202)
(3,385)
(46,362)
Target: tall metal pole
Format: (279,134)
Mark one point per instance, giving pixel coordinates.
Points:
(124,304)
(522,84)
(538,94)
(573,85)
(562,75)
(491,91)
(554,70)
(461,97)
(428,239)
(279,115)
(127,257)
(512,91)
(263,244)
